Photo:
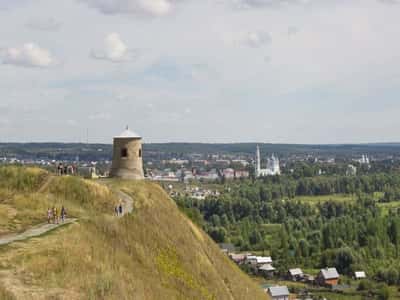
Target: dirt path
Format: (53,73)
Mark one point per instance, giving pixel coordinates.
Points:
(45,184)
(33,232)
(127,202)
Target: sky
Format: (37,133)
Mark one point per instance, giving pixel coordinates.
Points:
(276,71)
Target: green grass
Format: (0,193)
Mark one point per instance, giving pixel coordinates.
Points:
(334,197)
(314,200)
(386,207)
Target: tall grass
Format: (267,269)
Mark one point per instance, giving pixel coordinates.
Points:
(5,294)
(21,179)
(85,193)
(154,253)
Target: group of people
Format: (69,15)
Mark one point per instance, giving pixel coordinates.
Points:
(118,210)
(54,215)
(63,169)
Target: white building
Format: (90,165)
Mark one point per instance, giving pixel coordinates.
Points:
(273,167)
(351,170)
(258,260)
(364,160)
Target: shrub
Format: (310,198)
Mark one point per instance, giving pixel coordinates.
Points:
(383,293)
(363,285)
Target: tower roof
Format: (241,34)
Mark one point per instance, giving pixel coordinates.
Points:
(128,134)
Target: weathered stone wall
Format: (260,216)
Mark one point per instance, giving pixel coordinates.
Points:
(131,166)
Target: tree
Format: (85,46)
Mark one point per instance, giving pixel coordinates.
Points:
(394,233)
(344,260)
(303,248)
(215,220)
(255,237)
(218,234)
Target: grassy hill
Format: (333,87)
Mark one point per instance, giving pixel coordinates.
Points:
(153,253)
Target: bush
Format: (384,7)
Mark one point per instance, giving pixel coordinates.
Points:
(390,276)
(363,285)
(383,293)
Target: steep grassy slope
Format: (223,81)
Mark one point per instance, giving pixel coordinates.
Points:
(154,253)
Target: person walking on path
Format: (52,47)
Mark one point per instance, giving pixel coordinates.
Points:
(49,215)
(120,209)
(63,214)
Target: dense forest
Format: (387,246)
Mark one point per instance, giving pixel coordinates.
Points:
(313,222)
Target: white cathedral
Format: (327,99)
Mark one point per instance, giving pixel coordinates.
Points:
(273,167)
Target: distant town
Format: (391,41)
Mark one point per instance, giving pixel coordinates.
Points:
(204,163)
(171,162)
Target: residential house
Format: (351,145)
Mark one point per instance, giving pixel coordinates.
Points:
(295,274)
(328,277)
(238,258)
(266,270)
(241,174)
(258,260)
(279,293)
(228,173)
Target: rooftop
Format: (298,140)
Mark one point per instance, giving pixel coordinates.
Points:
(360,274)
(295,272)
(277,291)
(330,273)
(267,267)
(128,134)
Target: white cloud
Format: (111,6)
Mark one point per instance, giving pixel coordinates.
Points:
(6,4)
(254,39)
(262,3)
(292,30)
(100,116)
(389,1)
(48,24)
(114,49)
(72,123)
(155,8)
(27,55)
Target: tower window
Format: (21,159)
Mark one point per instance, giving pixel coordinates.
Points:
(124,152)
(140,152)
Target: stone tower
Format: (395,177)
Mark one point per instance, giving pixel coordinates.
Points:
(127,160)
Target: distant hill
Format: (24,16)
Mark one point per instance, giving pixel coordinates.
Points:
(71,151)
(154,253)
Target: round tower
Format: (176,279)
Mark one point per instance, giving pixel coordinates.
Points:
(127,160)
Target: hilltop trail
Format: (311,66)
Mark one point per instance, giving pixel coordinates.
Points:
(127,202)
(33,232)
(38,230)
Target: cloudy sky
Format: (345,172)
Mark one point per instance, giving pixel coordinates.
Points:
(292,71)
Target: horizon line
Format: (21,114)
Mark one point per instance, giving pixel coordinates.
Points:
(216,143)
